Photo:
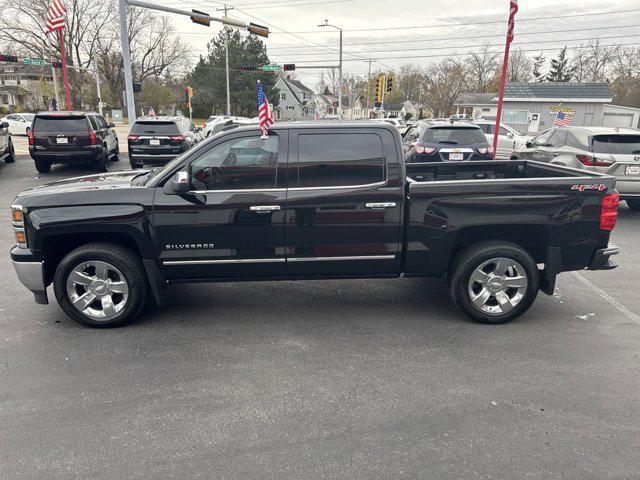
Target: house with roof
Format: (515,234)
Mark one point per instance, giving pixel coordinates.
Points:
(399,110)
(531,108)
(21,86)
(295,100)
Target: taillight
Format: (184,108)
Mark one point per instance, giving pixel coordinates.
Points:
(133,138)
(609,212)
(204,125)
(590,161)
(30,135)
(92,138)
(178,137)
(423,149)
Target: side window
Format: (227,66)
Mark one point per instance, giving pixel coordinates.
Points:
(572,141)
(411,135)
(102,122)
(486,128)
(92,121)
(339,159)
(247,163)
(541,139)
(558,139)
(504,132)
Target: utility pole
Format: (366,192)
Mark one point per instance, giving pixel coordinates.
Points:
(326,24)
(126,57)
(226,59)
(95,66)
(370,61)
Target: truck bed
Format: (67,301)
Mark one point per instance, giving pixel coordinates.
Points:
(491,170)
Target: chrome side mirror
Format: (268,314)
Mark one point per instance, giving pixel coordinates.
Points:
(179,184)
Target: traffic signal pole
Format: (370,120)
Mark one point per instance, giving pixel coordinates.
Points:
(126,57)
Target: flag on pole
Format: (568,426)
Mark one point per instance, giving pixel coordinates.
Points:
(55,16)
(265,114)
(152,112)
(513,9)
(563,119)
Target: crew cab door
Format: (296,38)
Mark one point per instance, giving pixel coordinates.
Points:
(344,202)
(231,223)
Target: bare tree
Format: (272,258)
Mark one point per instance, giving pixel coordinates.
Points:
(520,65)
(410,81)
(330,79)
(482,67)
(592,62)
(445,81)
(626,85)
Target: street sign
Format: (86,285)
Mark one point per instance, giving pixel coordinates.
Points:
(271,68)
(33,61)
(202,21)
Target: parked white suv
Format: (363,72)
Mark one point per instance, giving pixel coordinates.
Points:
(615,151)
(508,138)
(397,122)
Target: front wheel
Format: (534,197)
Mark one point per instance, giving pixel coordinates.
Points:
(42,166)
(634,205)
(101,285)
(494,281)
(12,153)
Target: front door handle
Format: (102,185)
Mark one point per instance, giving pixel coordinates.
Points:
(264,208)
(380,205)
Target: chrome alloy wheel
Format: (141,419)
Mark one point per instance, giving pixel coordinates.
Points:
(97,289)
(498,285)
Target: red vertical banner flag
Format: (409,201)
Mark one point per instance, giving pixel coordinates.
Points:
(55,22)
(513,9)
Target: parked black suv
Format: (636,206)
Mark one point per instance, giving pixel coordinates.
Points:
(72,137)
(160,139)
(449,141)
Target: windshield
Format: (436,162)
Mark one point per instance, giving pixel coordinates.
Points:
(155,128)
(60,124)
(616,144)
(28,116)
(453,136)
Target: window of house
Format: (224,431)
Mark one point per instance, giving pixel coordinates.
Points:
(516,116)
(283,96)
(339,159)
(290,107)
(486,109)
(246,163)
(5,98)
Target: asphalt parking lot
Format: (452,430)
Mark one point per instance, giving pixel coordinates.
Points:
(337,379)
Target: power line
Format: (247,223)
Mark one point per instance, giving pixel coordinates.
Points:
(403,57)
(488,22)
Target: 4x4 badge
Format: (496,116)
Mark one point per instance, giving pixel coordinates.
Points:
(596,186)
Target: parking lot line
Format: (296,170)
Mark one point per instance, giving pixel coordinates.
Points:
(620,307)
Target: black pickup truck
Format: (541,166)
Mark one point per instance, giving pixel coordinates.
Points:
(312,201)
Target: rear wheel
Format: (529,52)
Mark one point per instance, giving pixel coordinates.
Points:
(116,154)
(634,205)
(12,153)
(43,166)
(101,285)
(102,162)
(493,282)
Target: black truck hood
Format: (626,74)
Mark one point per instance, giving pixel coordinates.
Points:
(105,181)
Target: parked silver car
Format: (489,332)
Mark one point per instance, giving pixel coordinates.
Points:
(615,151)
(508,138)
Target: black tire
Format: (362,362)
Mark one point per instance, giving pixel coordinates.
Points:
(470,259)
(634,205)
(43,166)
(12,153)
(102,161)
(116,154)
(135,166)
(122,259)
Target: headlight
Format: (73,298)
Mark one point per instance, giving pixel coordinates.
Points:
(17,220)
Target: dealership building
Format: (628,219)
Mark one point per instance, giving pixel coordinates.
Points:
(531,108)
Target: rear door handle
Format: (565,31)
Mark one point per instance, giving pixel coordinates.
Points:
(380,205)
(264,208)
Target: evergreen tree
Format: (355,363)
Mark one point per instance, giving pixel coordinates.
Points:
(538,64)
(209,83)
(560,70)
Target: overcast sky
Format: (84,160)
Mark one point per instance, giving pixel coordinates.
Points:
(413,26)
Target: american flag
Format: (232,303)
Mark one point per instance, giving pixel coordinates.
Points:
(563,119)
(513,9)
(55,15)
(265,114)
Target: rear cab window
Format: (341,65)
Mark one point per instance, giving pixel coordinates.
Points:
(453,136)
(616,144)
(60,124)
(155,128)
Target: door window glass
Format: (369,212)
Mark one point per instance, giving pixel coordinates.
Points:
(541,139)
(102,122)
(93,122)
(339,159)
(558,139)
(246,163)
(572,141)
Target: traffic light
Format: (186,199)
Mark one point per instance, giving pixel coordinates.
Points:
(186,96)
(202,21)
(378,93)
(190,92)
(259,30)
(289,66)
(8,58)
(389,84)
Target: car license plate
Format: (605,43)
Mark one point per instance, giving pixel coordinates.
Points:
(154,141)
(632,170)
(62,140)
(456,156)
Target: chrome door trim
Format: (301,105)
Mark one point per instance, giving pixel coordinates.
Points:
(264,208)
(341,187)
(380,205)
(341,259)
(220,262)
